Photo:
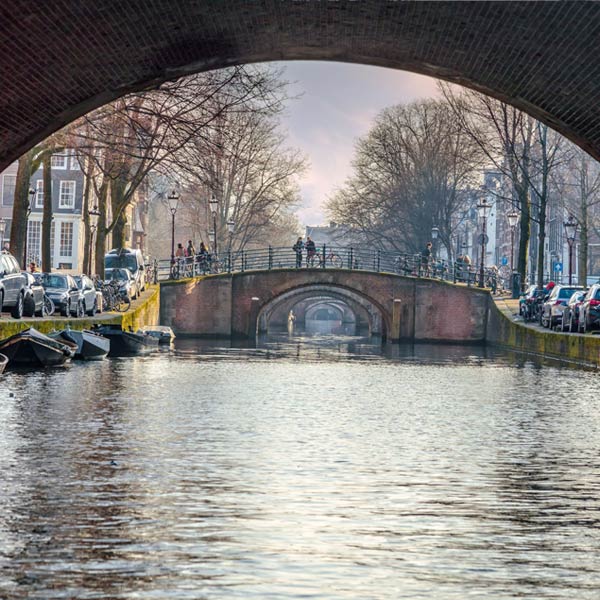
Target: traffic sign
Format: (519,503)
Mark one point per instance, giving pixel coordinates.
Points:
(558,267)
(504,261)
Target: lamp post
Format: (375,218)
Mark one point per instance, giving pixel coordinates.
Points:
(435,232)
(213,204)
(570,226)
(231,229)
(482,208)
(31,194)
(93,215)
(513,219)
(173,204)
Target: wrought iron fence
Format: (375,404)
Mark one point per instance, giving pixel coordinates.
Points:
(325,257)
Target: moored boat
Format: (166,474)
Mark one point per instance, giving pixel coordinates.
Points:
(89,345)
(163,333)
(126,343)
(31,348)
(3,363)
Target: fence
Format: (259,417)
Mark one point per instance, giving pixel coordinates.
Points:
(325,257)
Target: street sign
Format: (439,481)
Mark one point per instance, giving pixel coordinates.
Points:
(504,261)
(483,238)
(558,267)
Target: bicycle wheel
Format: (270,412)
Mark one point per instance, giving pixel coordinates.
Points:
(123,304)
(49,308)
(335,261)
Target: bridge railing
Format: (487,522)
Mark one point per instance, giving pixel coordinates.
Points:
(325,257)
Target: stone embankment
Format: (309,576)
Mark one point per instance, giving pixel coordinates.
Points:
(144,310)
(506,328)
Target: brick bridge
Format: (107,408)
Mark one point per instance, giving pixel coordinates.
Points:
(393,306)
(60,59)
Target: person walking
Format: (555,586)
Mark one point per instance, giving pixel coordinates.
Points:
(311,250)
(298,247)
(426,256)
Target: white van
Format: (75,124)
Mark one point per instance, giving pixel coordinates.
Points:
(128,258)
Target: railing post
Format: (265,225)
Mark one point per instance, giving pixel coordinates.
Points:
(378,260)
(324,256)
(270,257)
(350,258)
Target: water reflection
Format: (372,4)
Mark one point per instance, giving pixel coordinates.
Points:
(331,467)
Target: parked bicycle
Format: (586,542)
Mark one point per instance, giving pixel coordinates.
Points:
(330,259)
(113,298)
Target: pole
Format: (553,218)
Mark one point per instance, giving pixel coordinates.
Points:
(570,262)
(215,231)
(172,237)
(25,242)
(482,262)
(512,248)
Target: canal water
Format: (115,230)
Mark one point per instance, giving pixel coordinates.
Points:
(303,468)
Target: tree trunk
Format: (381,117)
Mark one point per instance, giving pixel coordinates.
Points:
(47,214)
(18,228)
(582,259)
(117,189)
(87,232)
(101,231)
(524,234)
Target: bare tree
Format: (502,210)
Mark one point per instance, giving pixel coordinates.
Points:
(410,171)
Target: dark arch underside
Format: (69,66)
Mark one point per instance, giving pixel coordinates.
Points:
(63,58)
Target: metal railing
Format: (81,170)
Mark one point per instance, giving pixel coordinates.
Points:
(325,257)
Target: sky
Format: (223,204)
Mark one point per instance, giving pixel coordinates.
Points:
(338,103)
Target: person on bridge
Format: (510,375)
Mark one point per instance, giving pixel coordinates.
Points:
(311,250)
(191,251)
(297,248)
(426,259)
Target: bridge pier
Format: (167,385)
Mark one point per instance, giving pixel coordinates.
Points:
(396,319)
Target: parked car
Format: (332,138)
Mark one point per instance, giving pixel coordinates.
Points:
(125,278)
(33,302)
(88,294)
(65,294)
(128,258)
(551,313)
(570,318)
(13,285)
(589,311)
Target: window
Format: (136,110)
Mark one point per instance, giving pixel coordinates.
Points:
(66,239)
(34,241)
(58,161)
(66,198)
(39,193)
(74,162)
(9,182)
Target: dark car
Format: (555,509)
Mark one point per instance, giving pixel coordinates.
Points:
(551,313)
(13,285)
(34,297)
(570,318)
(88,294)
(65,294)
(589,311)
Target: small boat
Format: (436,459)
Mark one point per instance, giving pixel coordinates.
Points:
(89,345)
(126,343)
(164,334)
(31,348)
(3,363)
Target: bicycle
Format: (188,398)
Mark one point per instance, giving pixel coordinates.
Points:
(331,260)
(113,298)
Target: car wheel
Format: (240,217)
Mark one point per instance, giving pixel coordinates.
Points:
(65,311)
(28,306)
(17,311)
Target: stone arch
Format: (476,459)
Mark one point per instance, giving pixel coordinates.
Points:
(508,50)
(379,321)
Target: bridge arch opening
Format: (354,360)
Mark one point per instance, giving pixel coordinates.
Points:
(323,308)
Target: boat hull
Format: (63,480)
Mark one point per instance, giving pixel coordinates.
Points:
(89,345)
(127,343)
(30,348)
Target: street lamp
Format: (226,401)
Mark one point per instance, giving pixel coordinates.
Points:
(570,226)
(31,194)
(482,208)
(93,215)
(513,219)
(213,204)
(231,229)
(435,232)
(173,204)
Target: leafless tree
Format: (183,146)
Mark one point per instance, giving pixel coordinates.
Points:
(410,173)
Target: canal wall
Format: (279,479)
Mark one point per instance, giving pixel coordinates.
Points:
(144,311)
(503,330)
